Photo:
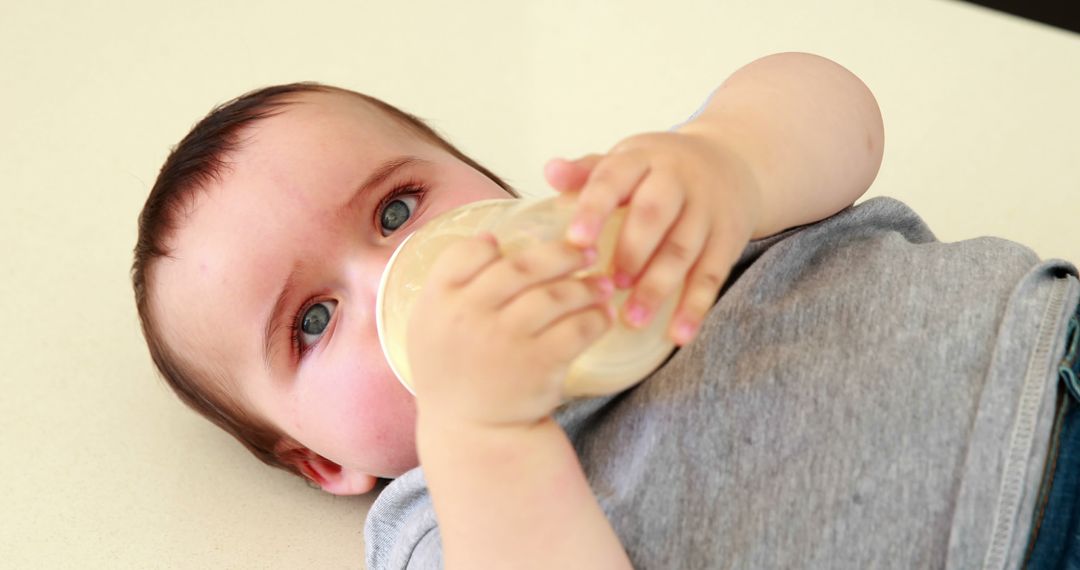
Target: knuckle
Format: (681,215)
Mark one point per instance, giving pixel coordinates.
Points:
(603,175)
(679,251)
(709,279)
(651,289)
(624,145)
(557,293)
(574,291)
(666,161)
(632,142)
(522,264)
(478,244)
(649,211)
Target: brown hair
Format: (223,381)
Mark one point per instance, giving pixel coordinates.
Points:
(194,163)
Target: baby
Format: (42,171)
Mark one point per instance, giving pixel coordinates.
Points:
(262,244)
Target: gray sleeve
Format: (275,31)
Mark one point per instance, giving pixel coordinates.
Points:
(428,552)
(401,531)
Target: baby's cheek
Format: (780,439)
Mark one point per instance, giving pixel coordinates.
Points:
(365,422)
(387,430)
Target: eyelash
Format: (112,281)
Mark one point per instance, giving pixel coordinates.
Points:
(298,348)
(407,188)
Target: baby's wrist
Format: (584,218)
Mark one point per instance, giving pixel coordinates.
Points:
(445,440)
(736,162)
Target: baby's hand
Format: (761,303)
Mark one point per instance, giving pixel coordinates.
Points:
(692,209)
(491,338)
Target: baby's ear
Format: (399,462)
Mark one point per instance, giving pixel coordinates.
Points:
(332,477)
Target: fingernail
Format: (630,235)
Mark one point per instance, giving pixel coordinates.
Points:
(637,314)
(684,332)
(579,233)
(622,280)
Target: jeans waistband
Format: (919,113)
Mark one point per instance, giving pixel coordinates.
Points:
(1053,531)
(1067,369)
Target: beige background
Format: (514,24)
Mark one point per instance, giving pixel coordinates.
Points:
(102,468)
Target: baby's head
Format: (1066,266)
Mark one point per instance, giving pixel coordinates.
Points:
(259,253)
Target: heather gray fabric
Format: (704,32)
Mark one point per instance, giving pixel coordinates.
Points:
(861,396)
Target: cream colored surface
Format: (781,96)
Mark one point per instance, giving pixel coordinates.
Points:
(102,468)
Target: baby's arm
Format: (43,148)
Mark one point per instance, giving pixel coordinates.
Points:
(515,498)
(490,340)
(786,140)
(810,130)
(506,484)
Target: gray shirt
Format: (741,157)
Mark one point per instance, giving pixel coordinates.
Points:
(860,396)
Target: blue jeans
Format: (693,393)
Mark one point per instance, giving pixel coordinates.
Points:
(1055,534)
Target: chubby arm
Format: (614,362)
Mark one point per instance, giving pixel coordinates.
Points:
(515,497)
(809,129)
(490,340)
(786,140)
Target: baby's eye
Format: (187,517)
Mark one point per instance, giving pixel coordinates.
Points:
(313,322)
(397,210)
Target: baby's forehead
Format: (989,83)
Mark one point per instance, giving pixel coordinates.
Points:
(330,110)
(318,124)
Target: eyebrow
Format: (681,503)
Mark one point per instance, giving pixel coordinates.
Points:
(273,321)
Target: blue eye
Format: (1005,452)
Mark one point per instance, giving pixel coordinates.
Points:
(395,215)
(395,210)
(312,323)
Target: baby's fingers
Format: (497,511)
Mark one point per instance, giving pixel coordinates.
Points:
(570,175)
(702,286)
(568,337)
(516,273)
(460,262)
(537,309)
(680,250)
(655,206)
(611,183)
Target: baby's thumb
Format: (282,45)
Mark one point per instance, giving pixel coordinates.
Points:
(570,175)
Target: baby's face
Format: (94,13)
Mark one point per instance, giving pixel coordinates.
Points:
(301,205)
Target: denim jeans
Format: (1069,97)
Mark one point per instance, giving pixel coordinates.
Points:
(1055,537)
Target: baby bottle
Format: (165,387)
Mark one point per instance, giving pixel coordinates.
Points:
(620,358)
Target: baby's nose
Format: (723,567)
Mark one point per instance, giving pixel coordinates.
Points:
(361,284)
